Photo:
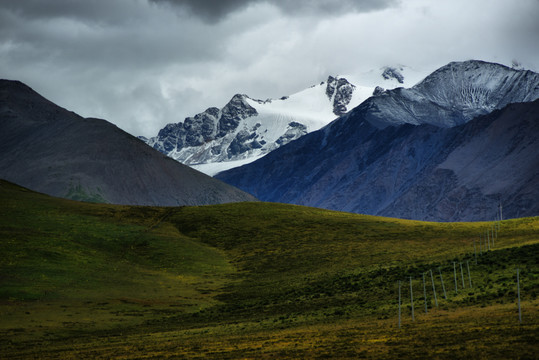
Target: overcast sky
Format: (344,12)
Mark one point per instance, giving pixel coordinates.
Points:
(141,64)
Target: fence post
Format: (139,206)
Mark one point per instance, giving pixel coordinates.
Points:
(469,276)
(399,304)
(480,244)
(433,288)
(455,276)
(412,299)
(492,235)
(442,280)
(518,292)
(500,221)
(462,276)
(475,251)
(425,293)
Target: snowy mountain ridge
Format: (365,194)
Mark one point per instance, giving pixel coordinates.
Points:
(452,95)
(246,129)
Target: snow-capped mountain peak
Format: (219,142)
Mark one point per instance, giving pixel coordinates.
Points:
(246,129)
(453,95)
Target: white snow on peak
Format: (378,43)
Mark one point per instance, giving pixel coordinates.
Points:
(279,121)
(213,168)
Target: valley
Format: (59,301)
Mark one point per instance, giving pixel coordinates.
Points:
(255,280)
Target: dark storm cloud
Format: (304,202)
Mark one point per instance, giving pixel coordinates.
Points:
(214,10)
(324,7)
(94,11)
(88,34)
(145,63)
(207,9)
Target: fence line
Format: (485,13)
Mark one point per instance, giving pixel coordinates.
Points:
(490,234)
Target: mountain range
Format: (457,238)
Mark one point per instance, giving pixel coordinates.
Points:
(51,150)
(246,129)
(451,148)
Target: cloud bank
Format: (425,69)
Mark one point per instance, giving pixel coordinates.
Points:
(144,63)
(215,10)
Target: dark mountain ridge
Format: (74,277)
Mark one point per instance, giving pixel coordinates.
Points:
(49,149)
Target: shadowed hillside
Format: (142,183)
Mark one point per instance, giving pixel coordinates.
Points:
(408,171)
(54,151)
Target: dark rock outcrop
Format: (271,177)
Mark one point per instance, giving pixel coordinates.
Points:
(339,92)
(393,73)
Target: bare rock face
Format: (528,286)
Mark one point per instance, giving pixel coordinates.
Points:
(339,92)
(51,150)
(294,131)
(187,141)
(236,110)
(449,149)
(202,128)
(247,129)
(393,73)
(378,90)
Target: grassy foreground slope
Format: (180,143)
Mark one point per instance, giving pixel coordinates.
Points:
(256,280)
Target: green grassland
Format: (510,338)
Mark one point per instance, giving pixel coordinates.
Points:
(256,280)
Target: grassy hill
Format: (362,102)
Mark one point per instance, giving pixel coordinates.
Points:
(256,280)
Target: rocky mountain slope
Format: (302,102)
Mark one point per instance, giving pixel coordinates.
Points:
(246,129)
(49,149)
(452,95)
(415,153)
